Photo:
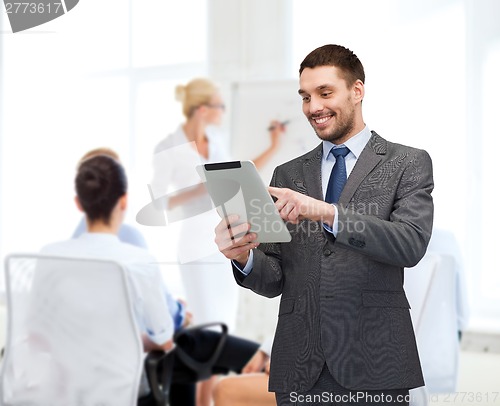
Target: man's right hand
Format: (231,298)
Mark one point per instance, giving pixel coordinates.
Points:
(235,248)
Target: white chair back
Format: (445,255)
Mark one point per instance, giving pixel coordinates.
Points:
(72,339)
(431,288)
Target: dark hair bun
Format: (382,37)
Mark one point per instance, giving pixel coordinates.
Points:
(94,183)
(99,183)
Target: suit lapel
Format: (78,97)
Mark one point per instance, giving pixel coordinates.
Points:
(312,172)
(369,159)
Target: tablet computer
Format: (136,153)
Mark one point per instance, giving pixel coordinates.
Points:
(237,188)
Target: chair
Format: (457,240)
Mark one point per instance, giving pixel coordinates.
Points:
(200,370)
(72,338)
(431,288)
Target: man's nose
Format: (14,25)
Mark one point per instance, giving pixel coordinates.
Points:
(315,105)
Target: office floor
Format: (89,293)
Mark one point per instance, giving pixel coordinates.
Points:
(478,382)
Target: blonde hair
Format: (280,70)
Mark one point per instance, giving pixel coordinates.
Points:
(196,93)
(99,151)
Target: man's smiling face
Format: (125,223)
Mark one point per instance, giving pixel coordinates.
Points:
(329,104)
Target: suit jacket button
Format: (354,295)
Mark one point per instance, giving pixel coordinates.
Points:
(327,252)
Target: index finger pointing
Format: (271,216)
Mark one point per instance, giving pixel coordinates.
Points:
(275,191)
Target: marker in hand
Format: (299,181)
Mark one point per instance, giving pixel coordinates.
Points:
(282,124)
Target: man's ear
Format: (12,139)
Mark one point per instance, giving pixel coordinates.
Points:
(359,91)
(78,204)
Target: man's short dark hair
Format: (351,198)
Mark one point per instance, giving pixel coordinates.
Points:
(340,57)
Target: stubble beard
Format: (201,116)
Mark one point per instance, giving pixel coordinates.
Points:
(339,132)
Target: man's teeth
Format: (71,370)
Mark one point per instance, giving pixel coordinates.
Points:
(321,120)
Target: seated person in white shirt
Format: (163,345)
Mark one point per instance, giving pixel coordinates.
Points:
(101,187)
(131,235)
(126,232)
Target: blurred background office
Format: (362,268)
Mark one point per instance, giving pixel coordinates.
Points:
(105,73)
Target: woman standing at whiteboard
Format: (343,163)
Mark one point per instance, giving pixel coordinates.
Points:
(207,278)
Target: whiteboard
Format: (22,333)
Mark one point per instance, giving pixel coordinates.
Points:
(254,105)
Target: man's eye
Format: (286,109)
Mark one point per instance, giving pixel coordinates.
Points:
(326,94)
(306,99)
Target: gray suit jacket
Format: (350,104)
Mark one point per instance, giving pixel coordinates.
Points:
(343,301)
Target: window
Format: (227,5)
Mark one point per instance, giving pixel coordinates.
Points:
(101,75)
(489,284)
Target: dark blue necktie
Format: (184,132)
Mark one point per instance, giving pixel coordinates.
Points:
(338,177)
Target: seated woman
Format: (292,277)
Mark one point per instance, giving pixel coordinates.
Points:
(126,232)
(101,187)
(131,235)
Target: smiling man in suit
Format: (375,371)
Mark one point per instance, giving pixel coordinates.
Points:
(359,209)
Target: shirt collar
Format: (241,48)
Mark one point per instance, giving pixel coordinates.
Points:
(356,144)
(99,236)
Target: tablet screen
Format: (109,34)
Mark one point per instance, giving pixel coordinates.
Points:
(236,188)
